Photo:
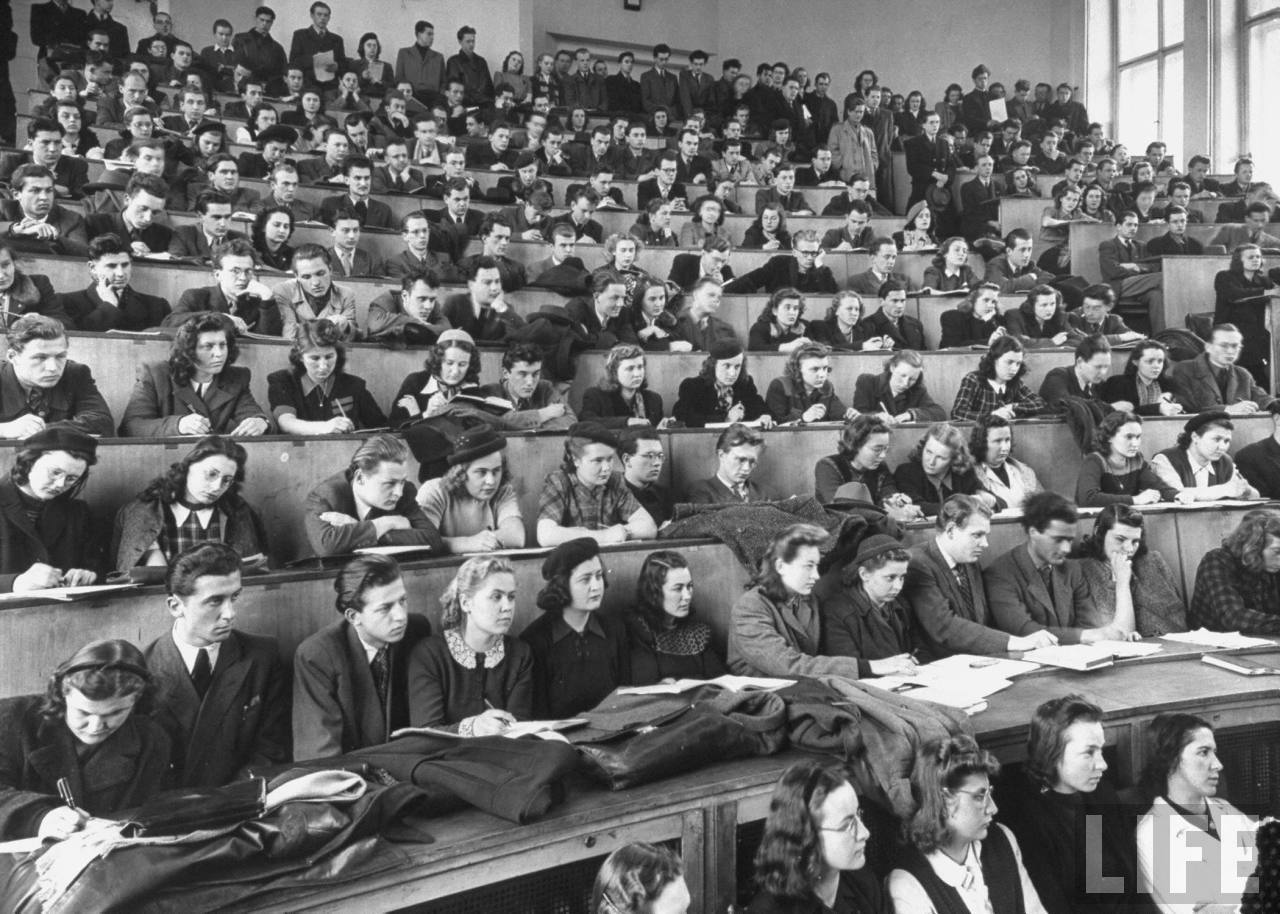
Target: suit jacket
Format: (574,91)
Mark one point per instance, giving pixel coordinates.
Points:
(425,74)
(334,494)
(1198,388)
(1111,255)
(74,399)
(406,262)
(495,328)
(243,720)
(385,183)
(1021,605)
(71,241)
(872,394)
(190,241)
(649,190)
(32,293)
(377,214)
(602,336)
(659,88)
(694,91)
(69,172)
(925,157)
(316,170)
(908,334)
(867,283)
(1167,245)
(782,271)
(979,205)
(156,406)
(335,705)
(944,622)
(609,408)
(1062,382)
(155,236)
(85,310)
(259,314)
(452,238)
(712,491)
(62,536)
(362,264)
(686,269)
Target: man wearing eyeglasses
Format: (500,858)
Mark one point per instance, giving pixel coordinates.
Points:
(802,270)
(237,292)
(640,450)
(663,184)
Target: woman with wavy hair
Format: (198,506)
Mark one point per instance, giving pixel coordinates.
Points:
(721,391)
(996,386)
(640,878)
(1041,320)
(1009,480)
(812,858)
(842,328)
(1239,291)
(316,396)
(975,321)
(1146,382)
(92,729)
(940,466)
(512,74)
(623,396)
(376,75)
(473,677)
(452,365)
(768,231)
(272,230)
(781,326)
(1237,583)
(197,500)
(805,393)
(474,504)
(959,857)
(707,221)
(666,641)
(650,318)
(1116,472)
(949,271)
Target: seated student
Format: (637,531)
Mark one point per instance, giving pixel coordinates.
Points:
(1238,583)
(776,624)
(892,322)
(272,229)
(783,192)
(666,641)
(976,321)
(313,295)
(223,174)
(1083,379)
(958,855)
(198,241)
(712,263)
(855,234)
(1260,461)
(1256,217)
(24,293)
(804,393)
(738,450)
(456,223)
(585,497)
(70,173)
(321,169)
(203,665)
(1213,380)
(370,503)
(1009,480)
(409,316)
(663,185)
(92,727)
(415,231)
(940,466)
(1041,320)
(1013,271)
(495,236)
(653,228)
(580,654)
(600,315)
(898,393)
(282,190)
(884,254)
(843,330)
(697,323)
(1094,317)
(864,616)
(1197,467)
(949,271)
(473,678)
(1115,472)
(859,191)
(640,452)
(722,391)
(110,302)
(917,232)
(705,223)
(1181,778)
(452,365)
(358,171)
(582,203)
(768,231)
(1061,794)
(40,386)
(1033,587)
(650,319)
(1176,241)
(536,403)
(780,326)
(236,293)
(396,176)
(198,390)
(1116,551)
(996,386)
(33,223)
(801,269)
(623,398)
(473,504)
(144,200)
(351,678)
(858,470)
(482,312)
(316,396)
(1124,263)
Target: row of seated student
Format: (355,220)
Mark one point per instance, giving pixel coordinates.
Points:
(963,849)
(380,667)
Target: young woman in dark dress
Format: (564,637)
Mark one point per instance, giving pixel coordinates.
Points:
(666,641)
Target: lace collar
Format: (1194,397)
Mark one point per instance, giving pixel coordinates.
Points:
(466,657)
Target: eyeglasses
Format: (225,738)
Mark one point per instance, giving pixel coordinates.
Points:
(849,827)
(983,797)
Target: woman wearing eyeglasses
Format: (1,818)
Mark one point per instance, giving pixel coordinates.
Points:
(960,858)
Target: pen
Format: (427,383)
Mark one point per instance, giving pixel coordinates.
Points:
(64,791)
(487,703)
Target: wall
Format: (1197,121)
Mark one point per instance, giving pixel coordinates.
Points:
(685,25)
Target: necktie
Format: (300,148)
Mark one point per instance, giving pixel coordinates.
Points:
(202,673)
(346,263)
(741,491)
(966,589)
(35,402)
(380,667)
(1046,575)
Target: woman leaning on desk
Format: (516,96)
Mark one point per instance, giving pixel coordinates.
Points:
(315,395)
(473,504)
(92,732)
(473,677)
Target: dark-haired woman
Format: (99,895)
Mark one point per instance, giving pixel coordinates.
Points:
(45,535)
(1241,293)
(804,392)
(976,321)
(272,230)
(452,365)
(1010,481)
(812,857)
(198,390)
(842,329)
(640,878)
(781,326)
(316,396)
(666,642)
(722,391)
(996,387)
(1198,466)
(949,271)
(864,615)
(1041,320)
(580,654)
(91,728)
(1145,382)
(1115,472)
(196,501)
(859,462)
(940,466)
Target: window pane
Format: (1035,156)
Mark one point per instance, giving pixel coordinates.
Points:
(1138,115)
(1264,69)
(1172,23)
(1137,28)
(1171,106)
(1258,7)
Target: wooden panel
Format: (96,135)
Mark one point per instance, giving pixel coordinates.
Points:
(1188,285)
(1085,238)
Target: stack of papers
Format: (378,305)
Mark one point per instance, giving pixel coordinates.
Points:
(727,681)
(1228,640)
(961,681)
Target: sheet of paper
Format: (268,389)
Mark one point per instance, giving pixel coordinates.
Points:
(727,681)
(1218,639)
(1072,656)
(324,65)
(66,594)
(999,109)
(391,550)
(1126,649)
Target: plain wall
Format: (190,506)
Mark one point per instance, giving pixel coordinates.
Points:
(685,25)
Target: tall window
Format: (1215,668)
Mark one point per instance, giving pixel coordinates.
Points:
(1149,74)
(1262,47)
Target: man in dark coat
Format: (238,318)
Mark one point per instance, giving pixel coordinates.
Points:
(110,302)
(39,385)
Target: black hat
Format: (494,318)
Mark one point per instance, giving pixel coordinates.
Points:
(278,133)
(525,159)
(62,437)
(209,127)
(594,431)
(725,348)
(874,546)
(474,444)
(568,556)
(1200,420)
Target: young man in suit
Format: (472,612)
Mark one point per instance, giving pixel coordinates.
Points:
(783,193)
(892,319)
(1124,263)
(664,184)
(581,206)
(945,589)
(397,176)
(223,696)
(317,39)
(110,302)
(930,158)
(223,174)
(346,257)
(372,213)
(323,169)
(495,234)
(712,262)
(855,234)
(136,223)
(236,292)
(283,187)
(33,223)
(456,224)
(738,451)
(802,269)
(39,385)
(198,242)
(70,174)
(415,231)
(1035,588)
(481,311)
(884,254)
(350,678)
(1213,380)
(420,66)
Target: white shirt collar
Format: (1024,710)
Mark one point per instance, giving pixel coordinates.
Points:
(369,652)
(189,652)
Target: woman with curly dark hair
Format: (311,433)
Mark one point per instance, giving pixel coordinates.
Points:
(781,326)
(650,318)
(452,366)
(1146,382)
(722,391)
(623,397)
(272,230)
(316,396)
(1041,320)
(812,858)
(860,461)
(805,393)
(45,535)
(580,654)
(975,321)
(640,878)
(1115,472)
(996,387)
(197,500)
(376,75)
(91,728)
(198,390)
(666,641)
(768,231)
